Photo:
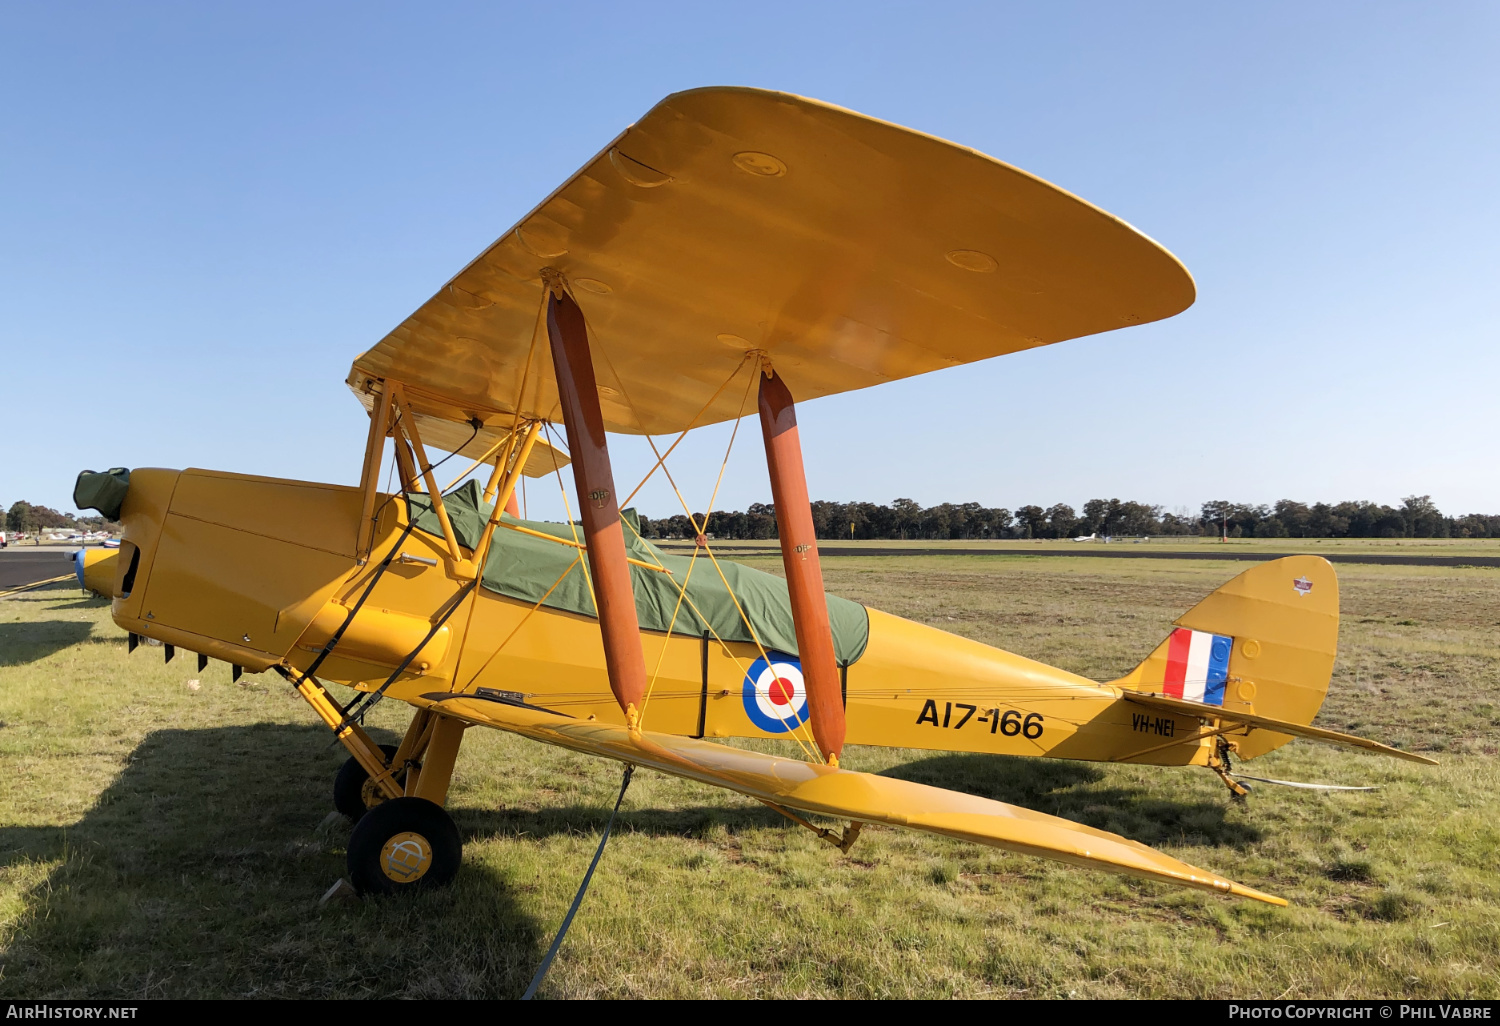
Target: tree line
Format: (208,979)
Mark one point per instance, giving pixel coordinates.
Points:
(905,519)
(23,518)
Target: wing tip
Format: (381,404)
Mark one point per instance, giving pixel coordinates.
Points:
(1241,891)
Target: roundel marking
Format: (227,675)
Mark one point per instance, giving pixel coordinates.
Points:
(775,695)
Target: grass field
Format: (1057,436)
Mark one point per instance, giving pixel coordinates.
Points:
(160,840)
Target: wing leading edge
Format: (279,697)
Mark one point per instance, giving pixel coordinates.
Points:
(845,794)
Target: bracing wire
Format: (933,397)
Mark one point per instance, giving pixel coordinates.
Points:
(671,626)
(744,672)
(754,635)
(701,529)
(802,723)
(691,424)
(472,435)
(517,628)
(693,561)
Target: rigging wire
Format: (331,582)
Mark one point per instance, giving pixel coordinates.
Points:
(492,450)
(691,424)
(516,629)
(476,423)
(692,562)
(671,624)
(801,721)
(744,672)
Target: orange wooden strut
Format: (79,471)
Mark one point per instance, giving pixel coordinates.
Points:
(804,574)
(598,507)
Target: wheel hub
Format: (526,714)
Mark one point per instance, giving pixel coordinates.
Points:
(406,857)
(371,793)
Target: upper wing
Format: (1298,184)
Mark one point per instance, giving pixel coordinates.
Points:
(1177,705)
(852,250)
(844,794)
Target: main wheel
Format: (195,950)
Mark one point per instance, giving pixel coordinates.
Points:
(354,793)
(405,844)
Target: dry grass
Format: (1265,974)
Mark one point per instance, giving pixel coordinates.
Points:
(162,841)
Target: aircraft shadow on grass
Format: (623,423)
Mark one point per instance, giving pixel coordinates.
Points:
(1070,790)
(1066,789)
(208,830)
(22,643)
(88,603)
(213,828)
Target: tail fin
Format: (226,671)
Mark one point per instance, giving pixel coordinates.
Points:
(1263,644)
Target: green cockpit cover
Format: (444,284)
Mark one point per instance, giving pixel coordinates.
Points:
(102,490)
(525,568)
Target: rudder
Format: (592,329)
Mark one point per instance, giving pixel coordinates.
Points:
(1264,643)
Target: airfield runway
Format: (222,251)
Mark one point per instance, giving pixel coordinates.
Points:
(22,566)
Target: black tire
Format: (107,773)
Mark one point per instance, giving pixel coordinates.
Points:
(404,845)
(349,793)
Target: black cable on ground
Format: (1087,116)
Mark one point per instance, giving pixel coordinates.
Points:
(541,972)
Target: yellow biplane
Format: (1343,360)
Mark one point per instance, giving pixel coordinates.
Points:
(733,247)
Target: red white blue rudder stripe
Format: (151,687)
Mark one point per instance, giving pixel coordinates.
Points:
(775,696)
(1197,666)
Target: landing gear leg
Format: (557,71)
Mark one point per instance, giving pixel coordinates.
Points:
(354,792)
(1220,764)
(411,843)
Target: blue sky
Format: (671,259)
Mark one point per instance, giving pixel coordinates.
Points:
(207,210)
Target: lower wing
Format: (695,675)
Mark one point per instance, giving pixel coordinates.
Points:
(843,794)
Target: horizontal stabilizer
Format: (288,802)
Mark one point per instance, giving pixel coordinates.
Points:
(1213,712)
(844,794)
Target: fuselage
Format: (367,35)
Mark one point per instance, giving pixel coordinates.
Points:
(260,572)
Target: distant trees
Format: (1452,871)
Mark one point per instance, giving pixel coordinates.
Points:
(905,519)
(1416,517)
(23,518)
(20,517)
